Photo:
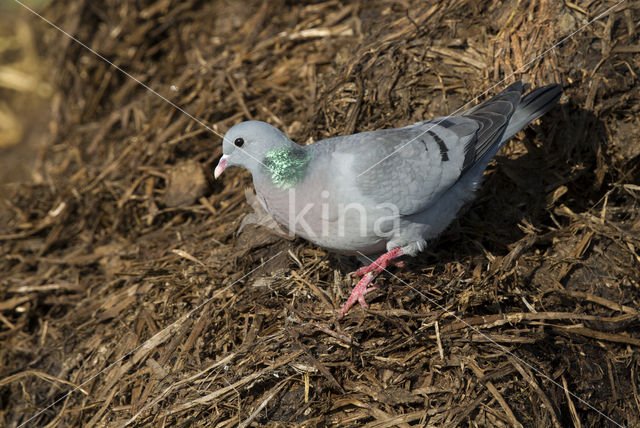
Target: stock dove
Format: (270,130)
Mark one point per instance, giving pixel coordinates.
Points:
(387,191)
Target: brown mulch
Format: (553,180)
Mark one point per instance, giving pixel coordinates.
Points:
(129,298)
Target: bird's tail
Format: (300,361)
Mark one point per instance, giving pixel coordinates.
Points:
(531,107)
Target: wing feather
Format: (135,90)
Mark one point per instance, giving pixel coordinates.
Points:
(411,167)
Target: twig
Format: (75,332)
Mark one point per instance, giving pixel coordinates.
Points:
(313,288)
(572,407)
(610,337)
(532,382)
(496,394)
(489,321)
(439,341)
(41,375)
(602,301)
(262,405)
(209,398)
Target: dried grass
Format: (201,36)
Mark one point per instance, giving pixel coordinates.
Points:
(152,305)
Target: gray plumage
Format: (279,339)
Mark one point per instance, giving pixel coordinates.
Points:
(375,191)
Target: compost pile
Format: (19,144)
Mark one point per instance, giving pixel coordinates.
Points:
(130,295)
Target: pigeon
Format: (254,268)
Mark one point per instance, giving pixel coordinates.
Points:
(383,193)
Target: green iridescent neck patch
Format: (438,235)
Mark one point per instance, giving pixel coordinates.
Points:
(287,165)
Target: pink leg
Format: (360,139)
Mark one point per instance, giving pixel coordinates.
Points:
(358,293)
(382,262)
(370,272)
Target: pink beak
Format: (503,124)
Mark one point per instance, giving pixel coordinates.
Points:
(222,164)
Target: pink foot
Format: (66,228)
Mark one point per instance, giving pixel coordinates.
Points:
(382,262)
(370,272)
(358,293)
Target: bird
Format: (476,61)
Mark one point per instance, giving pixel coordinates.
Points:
(384,193)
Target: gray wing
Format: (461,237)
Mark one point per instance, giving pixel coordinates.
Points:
(411,167)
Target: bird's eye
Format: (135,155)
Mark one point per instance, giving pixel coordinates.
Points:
(239,142)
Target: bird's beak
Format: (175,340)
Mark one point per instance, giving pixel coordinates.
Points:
(222,164)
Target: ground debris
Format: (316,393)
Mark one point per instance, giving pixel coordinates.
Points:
(129,276)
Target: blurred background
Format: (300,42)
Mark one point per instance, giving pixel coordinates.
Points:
(25,91)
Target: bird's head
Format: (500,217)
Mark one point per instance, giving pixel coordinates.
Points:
(247,143)
(262,148)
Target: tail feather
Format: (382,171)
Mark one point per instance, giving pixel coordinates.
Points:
(500,117)
(531,107)
(493,117)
